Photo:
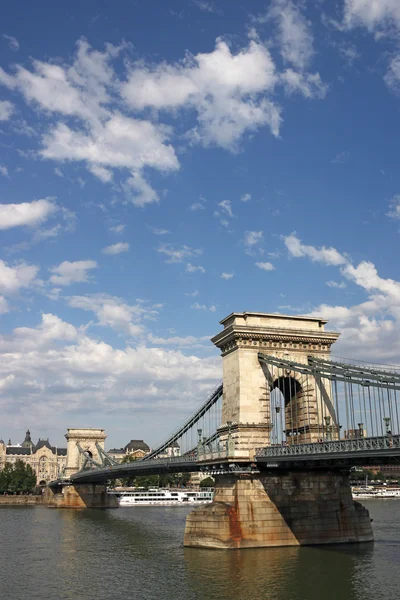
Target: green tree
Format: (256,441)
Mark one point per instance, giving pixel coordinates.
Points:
(17,478)
(128,481)
(5,478)
(207,482)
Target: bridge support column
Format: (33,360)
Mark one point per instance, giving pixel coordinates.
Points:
(279,509)
(80,496)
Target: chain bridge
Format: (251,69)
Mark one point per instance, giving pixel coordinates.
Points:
(279,435)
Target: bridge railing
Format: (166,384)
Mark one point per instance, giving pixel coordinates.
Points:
(331,447)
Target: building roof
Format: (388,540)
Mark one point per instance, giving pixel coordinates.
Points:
(44,444)
(174,445)
(137,445)
(18,450)
(62,451)
(116,451)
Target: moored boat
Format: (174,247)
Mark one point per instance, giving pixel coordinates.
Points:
(162,497)
(373,492)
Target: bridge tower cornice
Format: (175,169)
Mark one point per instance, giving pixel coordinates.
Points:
(275,332)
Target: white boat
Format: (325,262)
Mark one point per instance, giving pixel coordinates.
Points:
(162,497)
(371,493)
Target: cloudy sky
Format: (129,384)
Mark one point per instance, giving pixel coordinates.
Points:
(166,162)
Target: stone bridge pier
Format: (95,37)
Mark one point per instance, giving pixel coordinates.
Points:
(276,507)
(73,495)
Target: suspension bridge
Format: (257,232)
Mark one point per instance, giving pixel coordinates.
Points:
(287,416)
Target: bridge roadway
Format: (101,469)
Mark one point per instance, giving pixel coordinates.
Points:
(334,453)
(328,454)
(179,464)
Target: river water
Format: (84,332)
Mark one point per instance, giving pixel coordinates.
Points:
(137,553)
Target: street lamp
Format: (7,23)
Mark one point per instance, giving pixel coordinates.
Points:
(387,425)
(277,410)
(327,424)
(361,430)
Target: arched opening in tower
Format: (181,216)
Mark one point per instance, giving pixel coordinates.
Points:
(286,410)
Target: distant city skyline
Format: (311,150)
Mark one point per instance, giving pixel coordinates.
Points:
(168,163)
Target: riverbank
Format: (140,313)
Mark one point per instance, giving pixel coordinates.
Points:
(21,500)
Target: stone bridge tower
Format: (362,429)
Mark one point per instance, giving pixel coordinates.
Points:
(246,410)
(275,505)
(87,439)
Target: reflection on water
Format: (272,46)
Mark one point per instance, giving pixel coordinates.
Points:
(137,553)
(286,573)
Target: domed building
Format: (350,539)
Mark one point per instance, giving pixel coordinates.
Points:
(137,448)
(27,443)
(46,460)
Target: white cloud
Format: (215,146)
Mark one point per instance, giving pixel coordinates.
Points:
(340,158)
(118,228)
(392,77)
(265,266)
(372,14)
(6,110)
(226,90)
(116,248)
(52,328)
(198,306)
(88,108)
(394,207)
(328,256)
(26,213)
(200,205)
(68,272)
(12,42)
(226,206)
(295,41)
(178,254)
(294,33)
(193,268)
(4,308)
(139,191)
(226,275)
(246,197)
(159,231)
(102,137)
(13,278)
(105,175)
(308,84)
(60,370)
(187,341)
(205,6)
(193,294)
(252,238)
(113,312)
(335,284)
(349,52)
(120,142)
(371,329)
(4,170)
(77,90)
(45,234)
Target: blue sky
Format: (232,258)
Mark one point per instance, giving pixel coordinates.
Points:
(165,163)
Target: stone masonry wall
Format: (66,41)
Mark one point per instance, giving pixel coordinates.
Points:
(286,509)
(81,496)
